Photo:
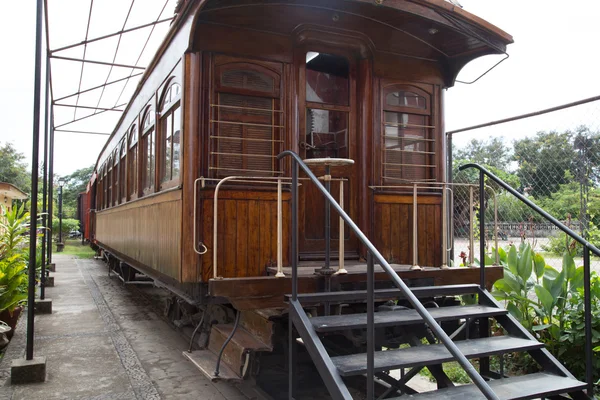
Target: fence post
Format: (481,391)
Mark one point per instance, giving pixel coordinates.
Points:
(589,372)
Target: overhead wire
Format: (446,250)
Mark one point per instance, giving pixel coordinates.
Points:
(87,31)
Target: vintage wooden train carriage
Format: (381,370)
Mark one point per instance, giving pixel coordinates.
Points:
(189,191)
(237,82)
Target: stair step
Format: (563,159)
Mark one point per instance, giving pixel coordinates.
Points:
(403,317)
(356,364)
(523,387)
(206,362)
(361,295)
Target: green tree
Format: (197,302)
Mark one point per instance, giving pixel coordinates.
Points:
(12,168)
(492,153)
(545,162)
(75,183)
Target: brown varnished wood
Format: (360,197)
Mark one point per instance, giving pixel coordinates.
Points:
(190,161)
(268,292)
(247,232)
(147,230)
(394,228)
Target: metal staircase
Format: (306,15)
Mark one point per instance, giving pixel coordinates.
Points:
(416,322)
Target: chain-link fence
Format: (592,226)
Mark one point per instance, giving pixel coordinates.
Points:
(553,159)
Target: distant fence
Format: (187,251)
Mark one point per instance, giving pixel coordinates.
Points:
(552,156)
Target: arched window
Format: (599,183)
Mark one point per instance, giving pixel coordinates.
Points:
(170,132)
(407,142)
(109,181)
(132,162)
(246,120)
(123,172)
(99,188)
(115,180)
(148,153)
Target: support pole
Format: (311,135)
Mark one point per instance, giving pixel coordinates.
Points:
(587,298)
(444,228)
(415,249)
(341,268)
(279,273)
(50,187)
(45,184)
(34,180)
(471,228)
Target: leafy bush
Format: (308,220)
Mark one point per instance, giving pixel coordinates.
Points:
(13,264)
(67,226)
(549,303)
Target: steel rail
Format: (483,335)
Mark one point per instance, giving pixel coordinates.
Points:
(96,88)
(587,248)
(414,301)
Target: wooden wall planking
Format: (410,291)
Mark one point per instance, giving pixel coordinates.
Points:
(247,233)
(147,230)
(393,228)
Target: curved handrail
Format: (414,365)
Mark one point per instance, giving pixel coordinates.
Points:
(587,248)
(414,301)
(531,205)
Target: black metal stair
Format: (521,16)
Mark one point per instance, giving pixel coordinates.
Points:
(406,317)
(532,386)
(554,380)
(356,364)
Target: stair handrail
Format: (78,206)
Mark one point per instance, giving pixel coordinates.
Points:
(373,252)
(587,248)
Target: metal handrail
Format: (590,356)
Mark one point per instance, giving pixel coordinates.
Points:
(587,247)
(414,301)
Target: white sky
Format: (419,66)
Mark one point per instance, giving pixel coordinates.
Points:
(553,61)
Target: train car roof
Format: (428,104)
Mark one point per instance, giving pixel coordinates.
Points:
(447,32)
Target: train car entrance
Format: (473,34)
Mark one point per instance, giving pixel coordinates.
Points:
(327,130)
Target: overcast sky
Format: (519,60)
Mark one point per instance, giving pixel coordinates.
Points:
(553,61)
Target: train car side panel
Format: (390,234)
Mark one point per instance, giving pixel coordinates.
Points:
(147,230)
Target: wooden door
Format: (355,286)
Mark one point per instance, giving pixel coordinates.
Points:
(327,95)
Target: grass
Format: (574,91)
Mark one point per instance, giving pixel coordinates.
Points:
(454,371)
(75,248)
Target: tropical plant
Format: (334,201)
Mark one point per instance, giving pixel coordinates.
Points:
(14,282)
(13,225)
(536,293)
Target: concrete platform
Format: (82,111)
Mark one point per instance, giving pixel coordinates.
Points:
(107,341)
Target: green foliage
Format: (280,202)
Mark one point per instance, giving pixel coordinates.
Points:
(12,168)
(549,303)
(492,153)
(13,258)
(75,183)
(571,345)
(68,225)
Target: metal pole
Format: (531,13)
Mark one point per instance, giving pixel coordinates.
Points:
(279,273)
(50,187)
(34,181)
(589,372)
(481,230)
(45,184)
(294,231)
(444,228)
(341,269)
(415,266)
(370,327)
(60,213)
(471,230)
(327,219)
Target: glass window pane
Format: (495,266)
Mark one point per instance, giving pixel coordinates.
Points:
(176,141)
(327,78)
(405,98)
(326,134)
(167,126)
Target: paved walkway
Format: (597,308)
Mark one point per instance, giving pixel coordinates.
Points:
(104,341)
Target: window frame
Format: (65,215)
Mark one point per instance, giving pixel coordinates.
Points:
(145,189)
(132,163)
(222,64)
(168,108)
(431,145)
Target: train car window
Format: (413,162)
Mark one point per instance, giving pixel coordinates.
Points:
(122,171)
(115,181)
(327,79)
(246,121)
(109,179)
(132,161)
(408,144)
(327,97)
(148,152)
(170,124)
